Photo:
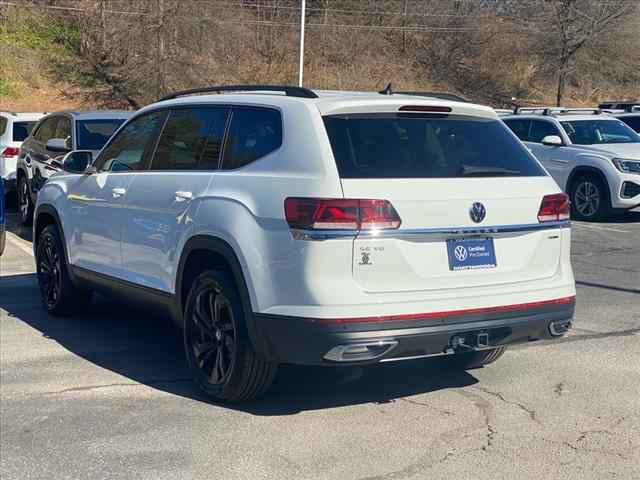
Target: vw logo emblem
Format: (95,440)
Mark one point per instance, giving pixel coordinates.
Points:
(461,253)
(477,212)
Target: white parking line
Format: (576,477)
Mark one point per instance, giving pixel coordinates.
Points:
(598,227)
(19,243)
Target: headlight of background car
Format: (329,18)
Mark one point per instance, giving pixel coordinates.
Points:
(627,166)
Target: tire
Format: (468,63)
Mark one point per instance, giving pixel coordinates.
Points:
(25,205)
(471,360)
(217,345)
(58,294)
(589,198)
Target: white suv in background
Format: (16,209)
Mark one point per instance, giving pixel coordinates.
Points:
(14,129)
(594,157)
(282,225)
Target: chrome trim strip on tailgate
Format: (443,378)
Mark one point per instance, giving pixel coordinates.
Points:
(419,232)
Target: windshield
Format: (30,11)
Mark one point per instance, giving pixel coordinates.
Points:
(595,132)
(426,146)
(21,130)
(93,134)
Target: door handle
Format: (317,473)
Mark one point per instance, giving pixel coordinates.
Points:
(118,192)
(182,196)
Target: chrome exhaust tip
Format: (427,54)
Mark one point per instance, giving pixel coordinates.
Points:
(358,352)
(559,328)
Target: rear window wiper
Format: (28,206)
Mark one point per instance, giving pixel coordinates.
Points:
(469,171)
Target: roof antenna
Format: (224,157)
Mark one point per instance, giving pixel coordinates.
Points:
(387,90)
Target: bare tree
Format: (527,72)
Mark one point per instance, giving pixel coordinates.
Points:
(575,24)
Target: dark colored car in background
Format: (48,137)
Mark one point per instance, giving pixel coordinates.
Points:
(53,137)
(626,105)
(2,218)
(631,119)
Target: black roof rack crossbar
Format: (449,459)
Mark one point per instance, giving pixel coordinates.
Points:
(290,91)
(555,110)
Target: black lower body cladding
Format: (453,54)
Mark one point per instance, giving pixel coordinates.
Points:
(308,341)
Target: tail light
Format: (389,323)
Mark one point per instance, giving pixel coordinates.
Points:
(10,152)
(340,214)
(554,207)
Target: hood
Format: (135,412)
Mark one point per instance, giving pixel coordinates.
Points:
(621,150)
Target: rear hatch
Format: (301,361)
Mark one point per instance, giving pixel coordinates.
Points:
(466,191)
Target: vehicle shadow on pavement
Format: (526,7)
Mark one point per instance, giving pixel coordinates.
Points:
(630,216)
(13,225)
(145,347)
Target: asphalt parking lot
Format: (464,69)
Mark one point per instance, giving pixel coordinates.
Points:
(106,395)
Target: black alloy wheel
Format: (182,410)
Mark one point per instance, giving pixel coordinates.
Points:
(220,354)
(213,337)
(25,206)
(49,269)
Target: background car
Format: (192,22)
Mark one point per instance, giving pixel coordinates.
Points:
(631,119)
(55,135)
(624,105)
(595,158)
(2,218)
(14,128)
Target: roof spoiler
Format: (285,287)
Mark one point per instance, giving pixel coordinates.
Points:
(454,97)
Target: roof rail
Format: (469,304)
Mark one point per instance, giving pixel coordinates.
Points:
(555,110)
(290,91)
(624,102)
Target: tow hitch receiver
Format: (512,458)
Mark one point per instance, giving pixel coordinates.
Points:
(469,341)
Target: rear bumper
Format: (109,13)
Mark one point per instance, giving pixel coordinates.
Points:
(310,341)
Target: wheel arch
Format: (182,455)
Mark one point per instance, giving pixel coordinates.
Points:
(44,216)
(203,252)
(582,170)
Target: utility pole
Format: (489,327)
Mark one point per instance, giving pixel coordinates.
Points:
(160,79)
(302,20)
(404,24)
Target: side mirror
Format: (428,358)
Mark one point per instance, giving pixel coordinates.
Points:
(552,140)
(77,161)
(57,145)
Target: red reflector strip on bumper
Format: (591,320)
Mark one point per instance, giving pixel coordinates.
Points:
(445,314)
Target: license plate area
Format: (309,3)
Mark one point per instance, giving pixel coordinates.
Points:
(471,253)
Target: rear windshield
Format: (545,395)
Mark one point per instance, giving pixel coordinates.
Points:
(426,146)
(21,130)
(595,132)
(93,134)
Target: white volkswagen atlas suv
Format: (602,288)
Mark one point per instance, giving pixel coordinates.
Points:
(282,225)
(594,157)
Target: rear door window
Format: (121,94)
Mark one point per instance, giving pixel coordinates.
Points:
(46,129)
(541,129)
(93,134)
(3,125)
(130,148)
(191,140)
(253,133)
(21,130)
(426,146)
(520,128)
